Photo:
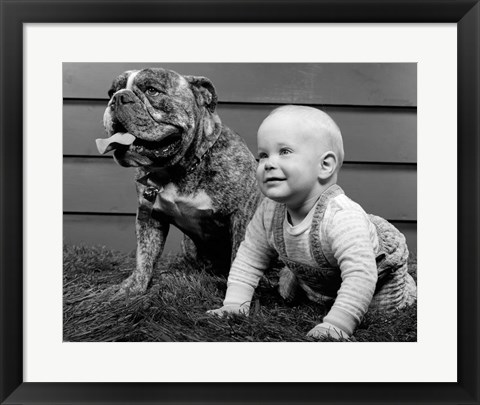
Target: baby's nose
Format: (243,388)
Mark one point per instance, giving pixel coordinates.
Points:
(270,163)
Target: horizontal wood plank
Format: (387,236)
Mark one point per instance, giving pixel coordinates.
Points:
(380,84)
(370,134)
(100,185)
(113,231)
(118,232)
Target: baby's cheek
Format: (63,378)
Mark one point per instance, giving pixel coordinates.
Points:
(259,176)
(259,172)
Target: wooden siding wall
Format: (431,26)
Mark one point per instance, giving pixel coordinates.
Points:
(373,104)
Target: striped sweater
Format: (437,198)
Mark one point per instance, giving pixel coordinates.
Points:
(349,242)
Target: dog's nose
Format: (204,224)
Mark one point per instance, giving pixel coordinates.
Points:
(123,97)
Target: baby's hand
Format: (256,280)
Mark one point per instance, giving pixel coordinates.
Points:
(230,310)
(324,330)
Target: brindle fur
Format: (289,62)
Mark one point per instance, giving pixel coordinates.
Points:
(222,181)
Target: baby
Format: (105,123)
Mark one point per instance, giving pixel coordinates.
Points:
(330,247)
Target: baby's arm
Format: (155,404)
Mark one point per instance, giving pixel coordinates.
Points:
(238,297)
(348,236)
(252,259)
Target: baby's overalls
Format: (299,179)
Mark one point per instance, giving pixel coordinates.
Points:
(395,287)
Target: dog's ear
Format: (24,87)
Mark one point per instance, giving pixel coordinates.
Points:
(204,91)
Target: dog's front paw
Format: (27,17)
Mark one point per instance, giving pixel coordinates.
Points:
(132,286)
(128,288)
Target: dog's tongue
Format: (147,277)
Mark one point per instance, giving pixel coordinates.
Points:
(105,145)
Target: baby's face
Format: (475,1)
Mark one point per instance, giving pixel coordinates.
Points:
(289,156)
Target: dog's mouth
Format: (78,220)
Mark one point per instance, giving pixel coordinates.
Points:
(123,141)
(158,149)
(117,140)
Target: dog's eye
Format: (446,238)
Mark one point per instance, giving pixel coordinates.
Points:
(110,93)
(152,91)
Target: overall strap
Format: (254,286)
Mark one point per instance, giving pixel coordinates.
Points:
(315,245)
(278,218)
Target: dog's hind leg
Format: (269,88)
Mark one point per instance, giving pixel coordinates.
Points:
(213,256)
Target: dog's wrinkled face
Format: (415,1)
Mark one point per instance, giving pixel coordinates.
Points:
(152,115)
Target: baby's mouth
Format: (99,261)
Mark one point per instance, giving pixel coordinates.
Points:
(273,179)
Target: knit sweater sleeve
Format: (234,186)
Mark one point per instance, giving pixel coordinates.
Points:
(347,234)
(253,257)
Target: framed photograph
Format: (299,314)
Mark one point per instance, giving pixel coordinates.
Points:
(374,107)
(399,79)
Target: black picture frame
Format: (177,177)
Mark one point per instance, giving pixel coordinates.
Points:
(465,13)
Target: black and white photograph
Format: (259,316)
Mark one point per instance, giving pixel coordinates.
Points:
(239,202)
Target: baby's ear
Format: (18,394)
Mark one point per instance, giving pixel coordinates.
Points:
(327,166)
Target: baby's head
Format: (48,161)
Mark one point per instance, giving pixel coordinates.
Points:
(316,127)
(300,152)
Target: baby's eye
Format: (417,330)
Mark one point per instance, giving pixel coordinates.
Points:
(285,151)
(152,91)
(261,156)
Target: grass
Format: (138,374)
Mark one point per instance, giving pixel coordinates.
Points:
(173,309)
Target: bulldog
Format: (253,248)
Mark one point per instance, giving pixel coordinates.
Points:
(192,171)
